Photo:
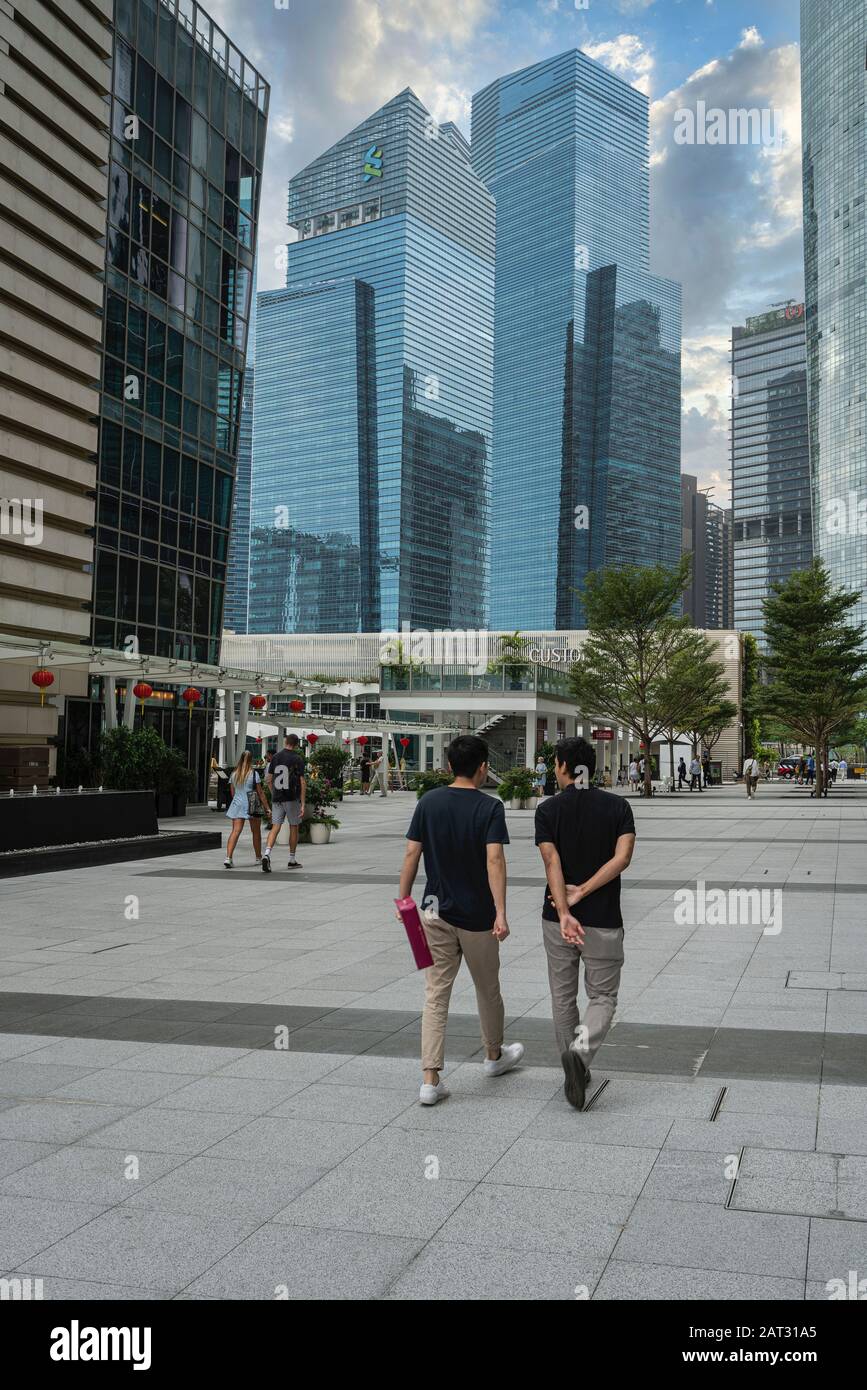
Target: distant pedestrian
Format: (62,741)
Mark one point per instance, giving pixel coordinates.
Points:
(843,769)
(633,775)
(288,797)
(681,774)
(540,777)
(248,804)
(705,767)
(380,774)
(751,776)
(695,774)
(811,770)
(365,773)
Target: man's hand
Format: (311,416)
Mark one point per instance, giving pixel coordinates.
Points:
(501,927)
(574,893)
(571,930)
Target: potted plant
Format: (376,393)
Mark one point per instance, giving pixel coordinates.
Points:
(516,787)
(426,781)
(175,784)
(318,821)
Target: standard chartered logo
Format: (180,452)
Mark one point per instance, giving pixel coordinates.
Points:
(373,163)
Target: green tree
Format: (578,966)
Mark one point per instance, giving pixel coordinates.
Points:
(637,653)
(815,660)
(750,694)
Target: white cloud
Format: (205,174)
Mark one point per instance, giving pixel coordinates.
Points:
(634,6)
(627,56)
(282,127)
(751,38)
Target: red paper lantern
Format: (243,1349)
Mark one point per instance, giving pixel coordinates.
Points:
(404,743)
(296,706)
(313,738)
(191,696)
(142,692)
(42,680)
(258,701)
(363,740)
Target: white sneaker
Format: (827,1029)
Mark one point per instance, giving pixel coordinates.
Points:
(510,1056)
(429,1095)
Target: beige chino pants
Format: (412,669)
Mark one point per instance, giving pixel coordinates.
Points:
(602,954)
(449,946)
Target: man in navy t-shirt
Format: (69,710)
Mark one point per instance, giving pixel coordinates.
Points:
(461,832)
(586,838)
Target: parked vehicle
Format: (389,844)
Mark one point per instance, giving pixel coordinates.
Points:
(788,768)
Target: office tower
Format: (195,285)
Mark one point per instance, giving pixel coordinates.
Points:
(707,538)
(188,116)
(586,343)
(54,85)
(834,140)
(770,458)
(238,576)
(372,412)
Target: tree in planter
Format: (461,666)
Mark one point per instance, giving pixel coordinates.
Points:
(636,651)
(330,761)
(510,658)
(815,660)
(132,759)
(176,780)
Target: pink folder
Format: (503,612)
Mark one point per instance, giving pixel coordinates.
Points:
(415,931)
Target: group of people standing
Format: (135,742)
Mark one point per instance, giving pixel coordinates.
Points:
(284,775)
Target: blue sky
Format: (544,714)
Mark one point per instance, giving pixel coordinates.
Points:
(726,220)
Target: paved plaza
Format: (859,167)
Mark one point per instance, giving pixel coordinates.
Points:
(209,1079)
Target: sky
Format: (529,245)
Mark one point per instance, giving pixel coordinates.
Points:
(725,218)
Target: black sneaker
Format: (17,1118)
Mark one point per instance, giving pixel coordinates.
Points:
(266,863)
(577,1078)
(294,864)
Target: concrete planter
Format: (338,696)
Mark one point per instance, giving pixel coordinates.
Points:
(283,833)
(319,834)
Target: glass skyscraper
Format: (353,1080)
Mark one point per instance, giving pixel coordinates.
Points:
(834,140)
(586,449)
(188,137)
(372,410)
(238,576)
(770,459)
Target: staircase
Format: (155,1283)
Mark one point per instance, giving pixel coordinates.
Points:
(491,722)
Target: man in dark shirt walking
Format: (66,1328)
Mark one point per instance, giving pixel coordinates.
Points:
(586,838)
(288,793)
(461,832)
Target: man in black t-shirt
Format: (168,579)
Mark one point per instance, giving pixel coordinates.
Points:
(461,832)
(586,838)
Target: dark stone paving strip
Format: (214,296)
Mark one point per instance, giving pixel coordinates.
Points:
(635,885)
(651,1048)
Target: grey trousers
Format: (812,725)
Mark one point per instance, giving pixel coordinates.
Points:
(602,954)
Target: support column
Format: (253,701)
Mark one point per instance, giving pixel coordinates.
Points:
(229,716)
(109,700)
(243,712)
(530,739)
(129,704)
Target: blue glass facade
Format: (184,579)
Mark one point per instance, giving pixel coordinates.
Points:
(237,607)
(372,412)
(834,140)
(770,454)
(586,449)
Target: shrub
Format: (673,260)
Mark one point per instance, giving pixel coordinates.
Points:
(426,781)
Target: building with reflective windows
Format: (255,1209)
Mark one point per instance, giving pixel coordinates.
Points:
(372,411)
(238,573)
(188,119)
(770,459)
(707,539)
(834,141)
(586,451)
